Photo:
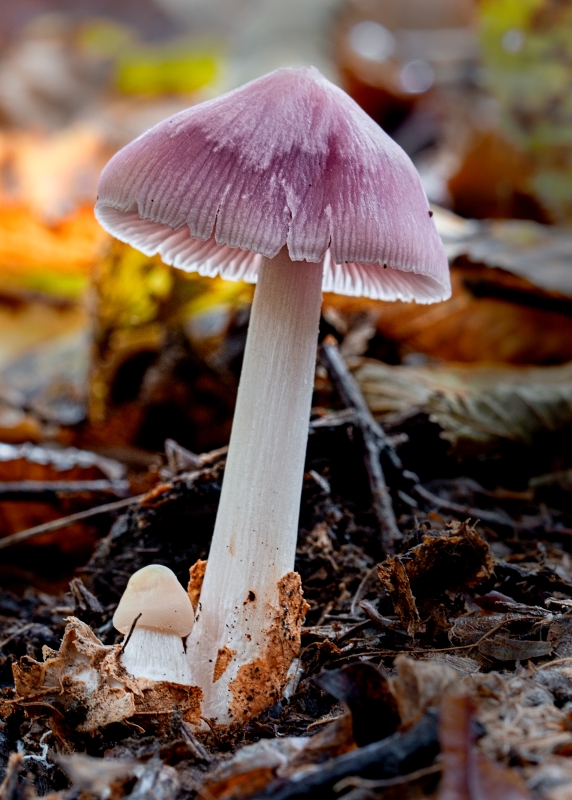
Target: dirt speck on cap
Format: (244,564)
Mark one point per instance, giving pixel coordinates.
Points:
(223,659)
(196,577)
(260,683)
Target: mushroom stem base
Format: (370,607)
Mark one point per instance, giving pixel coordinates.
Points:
(254,541)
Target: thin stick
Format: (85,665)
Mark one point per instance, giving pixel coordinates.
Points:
(63,522)
(357,595)
(27,627)
(130,634)
(466,511)
(374,438)
(206,459)
(491,517)
(451,649)
(62,487)
(555,663)
(364,783)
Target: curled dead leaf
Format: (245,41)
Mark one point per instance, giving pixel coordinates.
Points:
(88,677)
(445,560)
(507,648)
(420,685)
(468,774)
(478,407)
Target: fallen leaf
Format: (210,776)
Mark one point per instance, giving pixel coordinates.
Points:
(445,560)
(88,677)
(253,767)
(420,685)
(366,692)
(506,648)
(477,407)
(468,774)
(98,776)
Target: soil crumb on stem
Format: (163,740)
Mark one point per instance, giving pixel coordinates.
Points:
(223,659)
(196,577)
(259,684)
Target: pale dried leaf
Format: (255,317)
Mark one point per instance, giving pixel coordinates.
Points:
(474,405)
(420,685)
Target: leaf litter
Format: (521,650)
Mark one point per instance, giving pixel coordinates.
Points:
(467,623)
(442,670)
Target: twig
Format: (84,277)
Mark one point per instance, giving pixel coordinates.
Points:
(467,511)
(62,487)
(409,777)
(451,649)
(212,727)
(492,517)
(555,663)
(193,743)
(27,627)
(374,438)
(357,596)
(361,626)
(415,749)
(130,634)
(63,522)
(205,459)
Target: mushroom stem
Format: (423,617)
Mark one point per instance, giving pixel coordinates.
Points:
(157,655)
(254,540)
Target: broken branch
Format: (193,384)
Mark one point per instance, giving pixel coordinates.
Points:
(375,440)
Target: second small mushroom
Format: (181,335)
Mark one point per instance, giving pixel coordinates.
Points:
(286,182)
(155,614)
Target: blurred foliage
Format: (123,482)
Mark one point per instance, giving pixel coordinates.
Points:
(49,237)
(526,49)
(140,301)
(55,259)
(151,69)
(146,71)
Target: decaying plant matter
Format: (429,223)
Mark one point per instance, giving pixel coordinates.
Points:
(444,651)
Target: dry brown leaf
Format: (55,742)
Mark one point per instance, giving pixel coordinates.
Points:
(468,774)
(253,767)
(445,560)
(420,685)
(27,462)
(477,407)
(256,765)
(88,677)
(511,302)
(508,648)
(519,714)
(98,776)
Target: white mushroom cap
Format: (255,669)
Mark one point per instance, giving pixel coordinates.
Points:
(156,594)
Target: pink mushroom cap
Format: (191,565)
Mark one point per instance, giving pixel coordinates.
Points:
(288,159)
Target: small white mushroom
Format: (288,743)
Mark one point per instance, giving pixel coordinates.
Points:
(163,615)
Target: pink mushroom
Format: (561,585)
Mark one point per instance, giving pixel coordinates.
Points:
(288,183)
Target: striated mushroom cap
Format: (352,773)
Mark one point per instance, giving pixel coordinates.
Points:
(288,159)
(156,594)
